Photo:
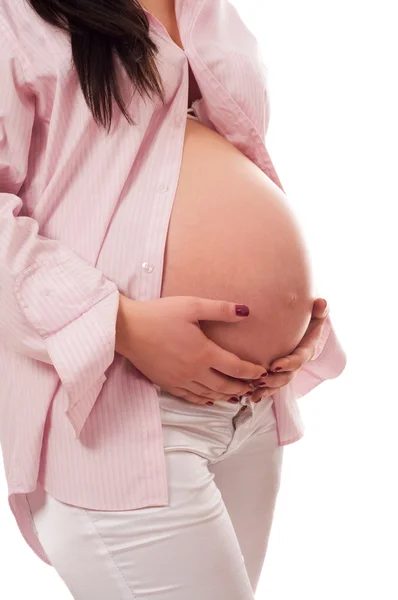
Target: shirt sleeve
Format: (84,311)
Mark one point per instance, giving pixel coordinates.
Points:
(329,362)
(54,306)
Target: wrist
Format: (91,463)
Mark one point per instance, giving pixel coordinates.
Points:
(125,305)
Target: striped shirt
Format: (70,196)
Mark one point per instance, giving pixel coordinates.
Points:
(83,215)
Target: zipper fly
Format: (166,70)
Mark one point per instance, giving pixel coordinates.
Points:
(234,419)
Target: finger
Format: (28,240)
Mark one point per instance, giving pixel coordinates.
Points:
(304,351)
(310,341)
(261,394)
(291,363)
(281,379)
(230,364)
(296,360)
(308,345)
(189,396)
(314,331)
(273,384)
(223,384)
(203,390)
(202,309)
(258,394)
(320,308)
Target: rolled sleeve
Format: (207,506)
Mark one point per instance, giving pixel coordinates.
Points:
(73,307)
(328,363)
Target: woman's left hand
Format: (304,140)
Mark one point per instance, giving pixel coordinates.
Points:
(283,370)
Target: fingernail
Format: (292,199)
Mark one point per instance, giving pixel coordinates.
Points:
(278,369)
(259,400)
(233,400)
(249,393)
(264,374)
(209,403)
(242,310)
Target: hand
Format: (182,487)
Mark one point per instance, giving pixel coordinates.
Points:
(162,339)
(283,370)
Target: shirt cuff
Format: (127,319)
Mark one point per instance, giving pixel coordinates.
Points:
(327,327)
(73,307)
(329,364)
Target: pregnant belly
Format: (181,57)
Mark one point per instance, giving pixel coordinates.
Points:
(233,237)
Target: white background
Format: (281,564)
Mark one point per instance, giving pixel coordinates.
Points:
(333,139)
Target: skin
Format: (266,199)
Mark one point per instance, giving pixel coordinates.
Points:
(284,311)
(232,236)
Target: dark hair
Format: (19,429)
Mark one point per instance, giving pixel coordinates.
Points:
(98,30)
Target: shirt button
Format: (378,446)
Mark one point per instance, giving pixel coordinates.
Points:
(147,267)
(163,188)
(178,120)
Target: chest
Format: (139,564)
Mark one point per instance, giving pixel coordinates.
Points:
(223,53)
(164,12)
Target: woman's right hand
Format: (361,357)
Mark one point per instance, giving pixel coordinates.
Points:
(162,339)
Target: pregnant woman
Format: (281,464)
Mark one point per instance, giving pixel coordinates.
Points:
(158,318)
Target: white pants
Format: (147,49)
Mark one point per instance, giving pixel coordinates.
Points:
(209,543)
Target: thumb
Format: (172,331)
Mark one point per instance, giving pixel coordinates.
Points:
(320,308)
(219,310)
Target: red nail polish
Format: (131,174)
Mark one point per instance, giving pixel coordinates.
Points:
(242,310)
(249,393)
(209,403)
(264,374)
(278,369)
(233,400)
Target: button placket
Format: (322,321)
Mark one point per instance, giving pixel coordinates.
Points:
(245,413)
(178,120)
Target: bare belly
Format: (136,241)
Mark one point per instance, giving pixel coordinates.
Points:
(233,237)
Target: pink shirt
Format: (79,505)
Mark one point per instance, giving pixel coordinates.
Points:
(83,215)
